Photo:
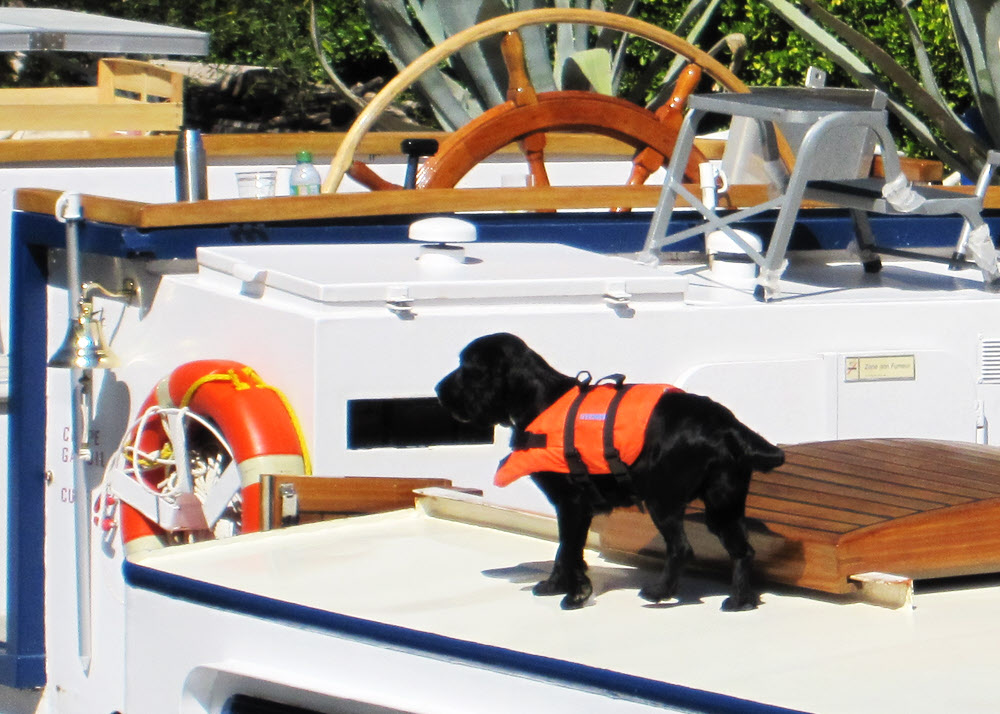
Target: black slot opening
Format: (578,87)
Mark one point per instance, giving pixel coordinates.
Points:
(408,423)
(244,704)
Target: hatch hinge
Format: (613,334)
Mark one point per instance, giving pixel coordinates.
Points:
(399,302)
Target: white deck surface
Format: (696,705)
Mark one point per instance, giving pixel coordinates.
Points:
(473,583)
(835,278)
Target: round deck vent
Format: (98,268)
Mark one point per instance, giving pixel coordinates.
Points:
(439,236)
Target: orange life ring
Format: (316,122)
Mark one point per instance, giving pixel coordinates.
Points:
(255,419)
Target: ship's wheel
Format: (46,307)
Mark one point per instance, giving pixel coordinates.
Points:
(527,115)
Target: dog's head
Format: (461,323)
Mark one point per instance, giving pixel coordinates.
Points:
(498,381)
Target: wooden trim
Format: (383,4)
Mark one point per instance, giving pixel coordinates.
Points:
(320,498)
(353,205)
(95,118)
(95,208)
(922,170)
(967,542)
(17,96)
(376,145)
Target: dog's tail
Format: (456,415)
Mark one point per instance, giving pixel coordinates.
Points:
(758,453)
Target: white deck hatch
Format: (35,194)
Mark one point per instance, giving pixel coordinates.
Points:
(488,271)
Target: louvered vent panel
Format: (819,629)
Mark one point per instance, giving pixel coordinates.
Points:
(989,361)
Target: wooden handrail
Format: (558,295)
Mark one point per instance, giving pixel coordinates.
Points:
(342,205)
(285,146)
(568,146)
(377,203)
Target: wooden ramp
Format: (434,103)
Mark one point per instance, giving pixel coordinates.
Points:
(916,508)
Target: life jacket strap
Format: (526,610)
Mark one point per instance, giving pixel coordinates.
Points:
(611,454)
(577,469)
(523,440)
(573,458)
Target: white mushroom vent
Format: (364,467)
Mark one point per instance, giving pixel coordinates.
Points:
(727,258)
(438,236)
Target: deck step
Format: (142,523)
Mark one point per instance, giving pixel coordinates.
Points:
(913,508)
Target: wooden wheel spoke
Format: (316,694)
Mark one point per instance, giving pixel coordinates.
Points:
(671,114)
(520,90)
(533,148)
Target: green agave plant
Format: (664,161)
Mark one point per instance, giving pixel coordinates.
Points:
(572,57)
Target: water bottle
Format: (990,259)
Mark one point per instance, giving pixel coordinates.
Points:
(189,166)
(305,179)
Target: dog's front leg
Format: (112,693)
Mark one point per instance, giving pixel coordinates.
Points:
(569,572)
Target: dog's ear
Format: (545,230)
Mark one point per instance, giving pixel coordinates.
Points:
(530,384)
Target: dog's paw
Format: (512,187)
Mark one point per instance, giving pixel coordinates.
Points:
(733,604)
(657,593)
(576,600)
(549,587)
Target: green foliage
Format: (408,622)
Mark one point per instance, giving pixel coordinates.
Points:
(779,56)
(275,33)
(271,33)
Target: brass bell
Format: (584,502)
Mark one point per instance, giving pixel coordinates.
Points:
(84,346)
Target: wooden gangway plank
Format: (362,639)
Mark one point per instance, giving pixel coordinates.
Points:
(910,507)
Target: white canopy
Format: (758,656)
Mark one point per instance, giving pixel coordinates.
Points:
(31,29)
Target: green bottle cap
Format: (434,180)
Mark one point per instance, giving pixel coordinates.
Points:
(304,156)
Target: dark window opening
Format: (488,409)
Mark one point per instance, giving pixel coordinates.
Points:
(244,704)
(405,423)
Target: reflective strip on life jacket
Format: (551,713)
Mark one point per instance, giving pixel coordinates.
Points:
(543,445)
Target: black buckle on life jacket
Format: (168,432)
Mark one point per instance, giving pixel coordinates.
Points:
(523,440)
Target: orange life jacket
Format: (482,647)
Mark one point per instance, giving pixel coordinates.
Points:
(589,430)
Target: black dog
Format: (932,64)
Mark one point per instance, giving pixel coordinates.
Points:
(694,449)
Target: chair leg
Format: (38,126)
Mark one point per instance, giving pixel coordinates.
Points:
(980,247)
(982,185)
(958,256)
(865,239)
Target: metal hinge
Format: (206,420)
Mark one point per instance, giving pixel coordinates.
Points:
(399,302)
(289,505)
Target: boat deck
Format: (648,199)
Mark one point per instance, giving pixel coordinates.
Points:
(466,592)
(915,508)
